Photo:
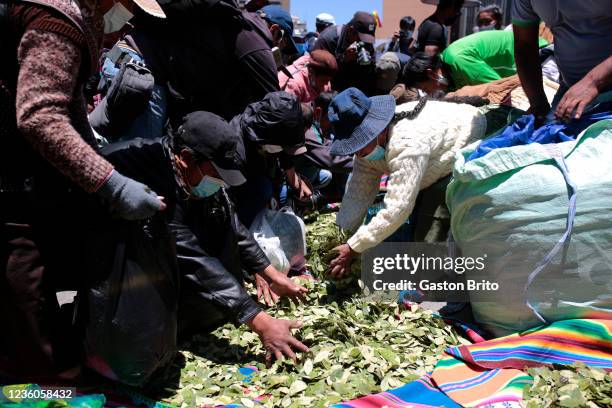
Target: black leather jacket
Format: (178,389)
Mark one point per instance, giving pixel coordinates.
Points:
(213,246)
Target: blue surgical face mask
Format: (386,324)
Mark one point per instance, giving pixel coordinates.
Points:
(406,33)
(377,154)
(207,187)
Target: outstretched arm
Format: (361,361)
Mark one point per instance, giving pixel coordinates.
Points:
(49,65)
(575,100)
(526,55)
(405,174)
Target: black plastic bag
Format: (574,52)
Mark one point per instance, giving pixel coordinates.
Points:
(130,305)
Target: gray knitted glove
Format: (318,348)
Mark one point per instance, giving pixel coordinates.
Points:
(131,199)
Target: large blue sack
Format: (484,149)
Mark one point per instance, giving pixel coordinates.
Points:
(542,214)
(523,131)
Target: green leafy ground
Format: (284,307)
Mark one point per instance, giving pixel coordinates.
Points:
(576,386)
(358,347)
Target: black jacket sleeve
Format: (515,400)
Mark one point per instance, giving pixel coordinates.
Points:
(252,256)
(261,68)
(286,161)
(206,276)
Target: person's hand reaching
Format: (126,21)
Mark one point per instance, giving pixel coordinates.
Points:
(263,290)
(276,336)
(576,99)
(341,265)
(297,184)
(132,200)
(305,192)
(350,54)
(280,285)
(540,111)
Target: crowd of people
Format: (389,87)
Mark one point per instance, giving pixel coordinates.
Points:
(201,114)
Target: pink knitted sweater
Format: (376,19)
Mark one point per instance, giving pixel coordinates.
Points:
(57,51)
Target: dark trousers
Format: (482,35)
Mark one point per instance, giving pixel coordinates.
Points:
(430,216)
(252,197)
(38,254)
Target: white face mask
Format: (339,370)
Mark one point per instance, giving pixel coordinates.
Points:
(489,27)
(272,149)
(116,18)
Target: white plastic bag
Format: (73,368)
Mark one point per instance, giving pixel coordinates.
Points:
(288,229)
(274,251)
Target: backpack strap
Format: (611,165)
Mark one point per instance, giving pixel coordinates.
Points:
(290,77)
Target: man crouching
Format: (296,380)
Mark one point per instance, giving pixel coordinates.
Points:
(192,168)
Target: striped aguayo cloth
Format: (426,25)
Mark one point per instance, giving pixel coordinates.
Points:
(489,374)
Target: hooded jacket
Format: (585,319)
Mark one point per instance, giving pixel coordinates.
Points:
(275,120)
(213,246)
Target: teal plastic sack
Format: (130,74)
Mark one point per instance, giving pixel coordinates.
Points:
(512,205)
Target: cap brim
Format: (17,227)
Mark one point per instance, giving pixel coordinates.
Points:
(231,177)
(151,7)
(295,150)
(367,38)
(378,118)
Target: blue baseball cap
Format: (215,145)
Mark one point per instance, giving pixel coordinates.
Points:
(278,15)
(357,120)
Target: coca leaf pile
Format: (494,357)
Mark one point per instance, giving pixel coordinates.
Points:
(357,347)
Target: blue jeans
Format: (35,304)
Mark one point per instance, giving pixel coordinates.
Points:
(150,124)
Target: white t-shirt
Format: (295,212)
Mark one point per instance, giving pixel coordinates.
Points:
(582,30)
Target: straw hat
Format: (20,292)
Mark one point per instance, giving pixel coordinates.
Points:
(151,7)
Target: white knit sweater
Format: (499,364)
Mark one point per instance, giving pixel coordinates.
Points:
(419,152)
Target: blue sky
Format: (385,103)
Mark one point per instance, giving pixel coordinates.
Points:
(342,10)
